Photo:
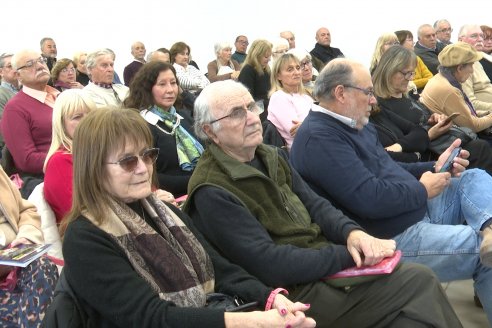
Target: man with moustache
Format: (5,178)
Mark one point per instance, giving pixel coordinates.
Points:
(26,121)
(102,90)
(48,51)
(478,87)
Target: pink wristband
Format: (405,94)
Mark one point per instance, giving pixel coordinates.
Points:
(271,298)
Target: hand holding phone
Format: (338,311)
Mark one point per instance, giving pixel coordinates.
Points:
(448,164)
(450,118)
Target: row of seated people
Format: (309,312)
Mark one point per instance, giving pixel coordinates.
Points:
(290,62)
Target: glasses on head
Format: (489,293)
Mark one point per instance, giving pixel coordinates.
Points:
(66,70)
(280,52)
(476,36)
(305,64)
(445,30)
(32,62)
(129,163)
(408,75)
(239,113)
(367,92)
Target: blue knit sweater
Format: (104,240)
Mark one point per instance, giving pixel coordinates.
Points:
(351,168)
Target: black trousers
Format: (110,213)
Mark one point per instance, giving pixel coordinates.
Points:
(410,297)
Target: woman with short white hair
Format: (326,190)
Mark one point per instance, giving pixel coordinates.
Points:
(223,68)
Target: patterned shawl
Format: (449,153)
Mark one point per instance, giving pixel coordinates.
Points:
(172,261)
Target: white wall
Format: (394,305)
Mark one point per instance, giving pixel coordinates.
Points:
(354,24)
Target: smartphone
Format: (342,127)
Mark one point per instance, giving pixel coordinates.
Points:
(448,165)
(450,118)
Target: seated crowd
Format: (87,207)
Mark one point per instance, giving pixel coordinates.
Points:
(254,180)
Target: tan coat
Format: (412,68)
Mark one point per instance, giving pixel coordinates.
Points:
(478,88)
(443,98)
(20,213)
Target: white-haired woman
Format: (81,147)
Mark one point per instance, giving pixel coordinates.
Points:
(223,68)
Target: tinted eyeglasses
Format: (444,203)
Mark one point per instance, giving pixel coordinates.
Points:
(129,163)
(239,113)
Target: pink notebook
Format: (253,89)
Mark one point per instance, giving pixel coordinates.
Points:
(386,266)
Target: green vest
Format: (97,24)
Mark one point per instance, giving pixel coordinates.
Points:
(269,198)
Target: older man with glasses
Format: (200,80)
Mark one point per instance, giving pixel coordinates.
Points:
(427,47)
(26,121)
(256,210)
(478,87)
(443,31)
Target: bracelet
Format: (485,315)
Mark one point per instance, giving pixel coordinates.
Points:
(274,293)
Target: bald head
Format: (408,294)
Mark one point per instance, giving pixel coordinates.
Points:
(323,36)
(138,50)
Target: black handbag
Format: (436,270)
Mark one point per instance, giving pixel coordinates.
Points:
(441,143)
(229,303)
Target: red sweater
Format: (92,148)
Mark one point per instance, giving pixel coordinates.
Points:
(26,127)
(58,183)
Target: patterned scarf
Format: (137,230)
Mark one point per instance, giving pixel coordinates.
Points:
(188,148)
(180,271)
(455,83)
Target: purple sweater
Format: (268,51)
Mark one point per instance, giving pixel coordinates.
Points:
(26,127)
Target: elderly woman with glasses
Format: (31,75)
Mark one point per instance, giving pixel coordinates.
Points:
(289,101)
(406,127)
(115,227)
(64,75)
(154,92)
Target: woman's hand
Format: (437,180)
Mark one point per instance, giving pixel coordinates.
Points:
(165,196)
(267,319)
(20,241)
(235,75)
(439,128)
(394,148)
(295,127)
(76,85)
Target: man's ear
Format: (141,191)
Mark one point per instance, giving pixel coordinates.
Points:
(207,128)
(339,93)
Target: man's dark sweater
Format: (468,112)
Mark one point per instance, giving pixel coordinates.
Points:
(352,168)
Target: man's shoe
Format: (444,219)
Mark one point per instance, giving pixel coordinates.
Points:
(486,247)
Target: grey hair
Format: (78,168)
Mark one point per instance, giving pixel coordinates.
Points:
(300,54)
(219,46)
(465,28)
(43,40)
(206,101)
(149,56)
(439,21)
(337,72)
(2,58)
(90,61)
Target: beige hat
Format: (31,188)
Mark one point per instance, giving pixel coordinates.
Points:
(458,53)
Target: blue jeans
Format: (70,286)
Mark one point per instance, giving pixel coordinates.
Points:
(441,240)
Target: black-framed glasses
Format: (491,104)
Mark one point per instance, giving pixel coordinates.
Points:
(129,163)
(32,62)
(304,64)
(367,92)
(239,113)
(408,75)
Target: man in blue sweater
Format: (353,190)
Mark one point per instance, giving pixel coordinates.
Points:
(338,153)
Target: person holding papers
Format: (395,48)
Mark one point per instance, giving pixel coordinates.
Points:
(25,293)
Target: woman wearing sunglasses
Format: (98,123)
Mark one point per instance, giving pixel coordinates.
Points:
(115,227)
(154,91)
